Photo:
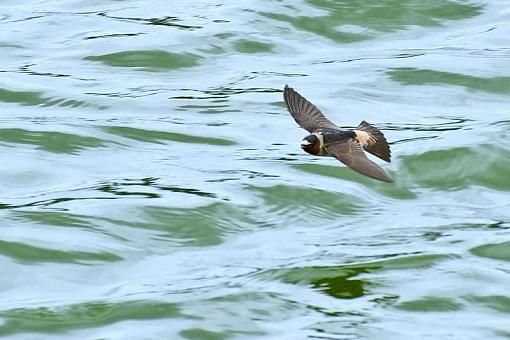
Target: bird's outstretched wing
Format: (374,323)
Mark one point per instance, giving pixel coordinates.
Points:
(350,152)
(307,115)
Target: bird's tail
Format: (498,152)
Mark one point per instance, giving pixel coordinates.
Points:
(373,141)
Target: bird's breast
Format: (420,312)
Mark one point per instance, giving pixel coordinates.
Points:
(313,149)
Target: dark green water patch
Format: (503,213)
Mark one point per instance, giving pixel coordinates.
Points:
(34,254)
(393,190)
(52,141)
(113,35)
(341,281)
(224,93)
(169,21)
(378,16)
(430,304)
(146,187)
(414,76)
(51,202)
(120,189)
(483,164)
(87,315)
(189,191)
(497,251)
(148,60)
(160,137)
(341,286)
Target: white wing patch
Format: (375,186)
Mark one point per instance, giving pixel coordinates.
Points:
(362,137)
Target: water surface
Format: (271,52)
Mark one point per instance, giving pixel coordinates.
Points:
(153,185)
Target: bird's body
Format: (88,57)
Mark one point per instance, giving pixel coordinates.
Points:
(317,147)
(346,145)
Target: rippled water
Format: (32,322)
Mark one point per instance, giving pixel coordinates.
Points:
(153,185)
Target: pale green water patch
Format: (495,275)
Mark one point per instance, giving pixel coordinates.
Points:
(52,141)
(160,137)
(252,46)
(203,334)
(91,314)
(378,16)
(206,108)
(496,302)
(62,219)
(24,252)
(215,227)
(246,313)
(497,251)
(202,226)
(324,26)
(430,304)
(414,76)
(393,190)
(212,50)
(53,218)
(460,167)
(293,201)
(22,97)
(148,60)
(33,98)
(7,46)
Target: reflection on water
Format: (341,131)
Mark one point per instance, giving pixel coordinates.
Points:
(51,141)
(147,60)
(153,185)
(410,76)
(351,21)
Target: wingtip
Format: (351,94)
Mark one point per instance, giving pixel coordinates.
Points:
(384,177)
(288,94)
(389,180)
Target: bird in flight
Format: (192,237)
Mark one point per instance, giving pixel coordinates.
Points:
(345,145)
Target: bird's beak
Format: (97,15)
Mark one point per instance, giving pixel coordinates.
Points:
(304,142)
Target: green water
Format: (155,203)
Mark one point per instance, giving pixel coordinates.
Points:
(153,187)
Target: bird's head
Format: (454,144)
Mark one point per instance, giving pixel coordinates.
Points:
(311,144)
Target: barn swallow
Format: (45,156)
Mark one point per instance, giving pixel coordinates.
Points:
(327,139)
